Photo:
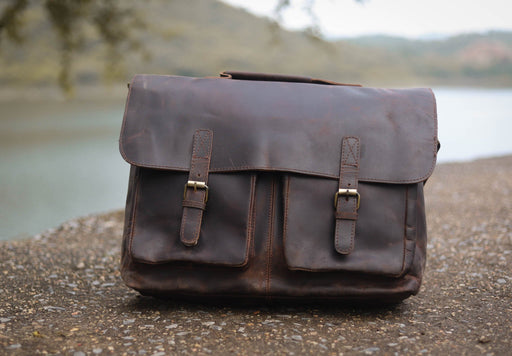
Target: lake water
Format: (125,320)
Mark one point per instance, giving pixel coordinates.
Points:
(61,160)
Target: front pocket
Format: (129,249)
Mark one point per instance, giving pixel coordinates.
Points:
(225,230)
(382,243)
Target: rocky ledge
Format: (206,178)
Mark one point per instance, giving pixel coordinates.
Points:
(61,293)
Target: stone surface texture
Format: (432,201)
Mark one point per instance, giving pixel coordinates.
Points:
(61,292)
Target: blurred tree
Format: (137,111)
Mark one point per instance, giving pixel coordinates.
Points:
(116,22)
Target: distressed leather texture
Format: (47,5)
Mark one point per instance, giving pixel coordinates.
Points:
(280,165)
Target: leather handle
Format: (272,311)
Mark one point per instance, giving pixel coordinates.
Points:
(278,78)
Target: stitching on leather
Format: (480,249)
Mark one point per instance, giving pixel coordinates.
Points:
(358,154)
(408,203)
(285,223)
(337,227)
(201,149)
(337,235)
(183,223)
(434,139)
(125,117)
(192,167)
(197,229)
(404,243)
(350,151)
(251,224)
(404,238)
(138,178)
(354,202)
(269,238)
(280,169)
(351,154)
(304,171)
(185,227)
(343,157)
(352,236)
(201,144)
(408,232)
(195,144)
(274,194)
(352,228)
(340,225)
(341,167)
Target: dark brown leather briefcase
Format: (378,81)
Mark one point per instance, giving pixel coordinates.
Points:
(254,186)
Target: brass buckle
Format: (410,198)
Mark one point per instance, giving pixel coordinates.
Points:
(196,185)
(346,193)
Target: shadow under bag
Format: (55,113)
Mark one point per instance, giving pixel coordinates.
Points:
(259,186)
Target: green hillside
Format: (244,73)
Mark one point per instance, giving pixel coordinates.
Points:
(472,59)
(203,37)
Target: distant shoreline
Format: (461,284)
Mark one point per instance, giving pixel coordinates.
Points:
(54,94)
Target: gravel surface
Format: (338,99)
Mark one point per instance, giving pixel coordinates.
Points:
(61,292)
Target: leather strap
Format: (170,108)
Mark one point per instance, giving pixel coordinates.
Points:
(196,190)
(347,204)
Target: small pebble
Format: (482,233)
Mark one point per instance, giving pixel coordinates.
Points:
(371,350)
(484,339)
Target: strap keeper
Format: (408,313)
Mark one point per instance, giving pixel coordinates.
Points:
(346,215)
(194,204)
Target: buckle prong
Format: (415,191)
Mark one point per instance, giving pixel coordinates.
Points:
(344,192)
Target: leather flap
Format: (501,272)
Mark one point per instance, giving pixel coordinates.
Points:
(278,126)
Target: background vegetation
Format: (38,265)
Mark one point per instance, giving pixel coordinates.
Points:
(203,37)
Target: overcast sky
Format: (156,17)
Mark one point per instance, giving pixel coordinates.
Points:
(408,18)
